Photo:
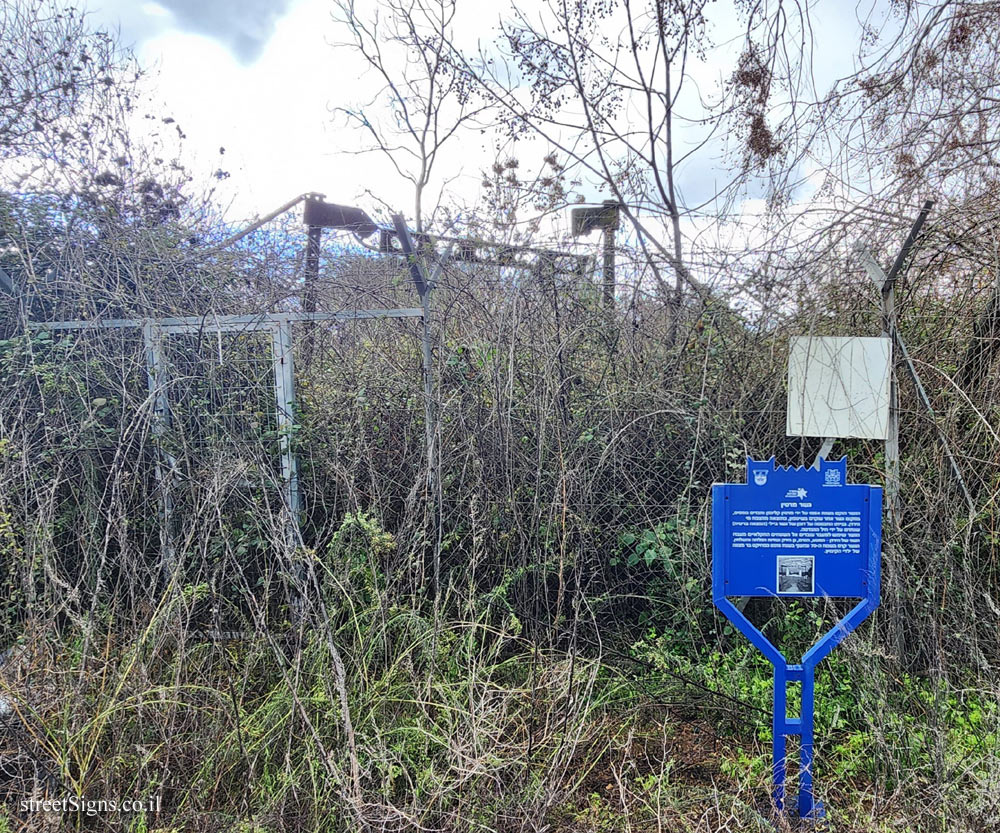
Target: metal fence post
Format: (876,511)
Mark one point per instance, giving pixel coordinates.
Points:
(166,464)
(284,399)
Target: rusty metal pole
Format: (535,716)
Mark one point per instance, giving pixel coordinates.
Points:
(311,281)
(609,266)
(315,237)
(889,323)
(432,485)
(606,218)
(890,331)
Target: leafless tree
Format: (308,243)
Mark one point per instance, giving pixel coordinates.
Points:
(423,104)
(610,85)
(64,91)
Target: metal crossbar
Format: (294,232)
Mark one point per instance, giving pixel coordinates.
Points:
(196,323)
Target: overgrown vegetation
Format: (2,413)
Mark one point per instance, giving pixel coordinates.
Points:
(567,671)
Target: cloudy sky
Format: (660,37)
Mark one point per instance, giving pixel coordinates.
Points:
(260,78)
(256,77)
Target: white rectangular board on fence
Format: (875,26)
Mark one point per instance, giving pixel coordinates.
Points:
(838,387)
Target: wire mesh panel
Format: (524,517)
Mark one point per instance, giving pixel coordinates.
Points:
(226,448)
(78,415)
(361,445)
(221,395)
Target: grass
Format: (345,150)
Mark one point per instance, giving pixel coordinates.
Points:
(469,726)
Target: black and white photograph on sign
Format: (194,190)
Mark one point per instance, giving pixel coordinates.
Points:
(796,574)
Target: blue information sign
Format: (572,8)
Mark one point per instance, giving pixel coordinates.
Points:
(793,532)
(796,533)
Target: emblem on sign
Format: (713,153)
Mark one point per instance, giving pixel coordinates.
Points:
(760,476)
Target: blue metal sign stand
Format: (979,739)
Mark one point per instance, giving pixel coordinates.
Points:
(798,533)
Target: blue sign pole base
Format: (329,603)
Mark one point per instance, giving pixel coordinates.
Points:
(784,727)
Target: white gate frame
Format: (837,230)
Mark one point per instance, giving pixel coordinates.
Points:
(279,324)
